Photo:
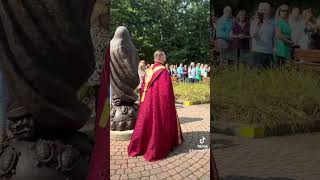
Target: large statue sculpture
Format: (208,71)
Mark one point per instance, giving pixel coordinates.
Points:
(46,54)
(213,168)
(124,79)
(100,39)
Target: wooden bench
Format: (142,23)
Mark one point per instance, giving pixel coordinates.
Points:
(174,79)
(206,79)
(307,59)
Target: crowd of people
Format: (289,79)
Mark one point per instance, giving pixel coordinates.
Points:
(265,39)
(188,74)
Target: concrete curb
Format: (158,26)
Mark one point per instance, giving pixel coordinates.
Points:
(258,131)
(190,103)
(121,135)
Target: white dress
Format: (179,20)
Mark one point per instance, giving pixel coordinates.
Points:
(305,39)
(298,36)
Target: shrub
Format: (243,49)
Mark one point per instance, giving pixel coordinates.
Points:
(270,97)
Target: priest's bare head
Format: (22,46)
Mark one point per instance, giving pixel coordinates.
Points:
(160,56)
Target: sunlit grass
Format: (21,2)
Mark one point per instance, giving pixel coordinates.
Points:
(271,97)
(195,92)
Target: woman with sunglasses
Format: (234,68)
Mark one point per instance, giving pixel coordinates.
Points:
(283,41)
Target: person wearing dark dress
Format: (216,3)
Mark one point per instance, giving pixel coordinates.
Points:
(241,36)
(185,73)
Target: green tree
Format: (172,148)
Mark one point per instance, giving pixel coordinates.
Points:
(179,27)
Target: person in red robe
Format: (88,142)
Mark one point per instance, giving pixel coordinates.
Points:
(100,159)
(157,130)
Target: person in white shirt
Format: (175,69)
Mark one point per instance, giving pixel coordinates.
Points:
(296,24)
(192,73)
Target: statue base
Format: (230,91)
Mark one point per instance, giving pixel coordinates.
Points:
(123,117)
(121,135)
(64,158)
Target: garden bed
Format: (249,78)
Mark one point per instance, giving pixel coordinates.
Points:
(196,93)
(276,100)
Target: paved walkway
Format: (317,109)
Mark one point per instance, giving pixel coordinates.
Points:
(274,158)
(187,161)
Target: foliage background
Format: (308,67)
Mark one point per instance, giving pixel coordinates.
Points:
(251,5)
(179,27)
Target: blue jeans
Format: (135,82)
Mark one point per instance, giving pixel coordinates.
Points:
(4,98)
(191,80)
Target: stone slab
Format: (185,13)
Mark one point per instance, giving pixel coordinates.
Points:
(121,135)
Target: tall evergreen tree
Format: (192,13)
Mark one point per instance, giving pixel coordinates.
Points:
(179,27)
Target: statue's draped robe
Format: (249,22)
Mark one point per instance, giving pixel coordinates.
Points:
(213,168)
(124,66)
(157,130)
(46,53)
(100,38)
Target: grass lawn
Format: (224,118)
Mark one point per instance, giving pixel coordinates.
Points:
(271,98)
(194,92)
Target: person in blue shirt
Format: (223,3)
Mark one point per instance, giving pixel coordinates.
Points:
(180,73)
(223,34)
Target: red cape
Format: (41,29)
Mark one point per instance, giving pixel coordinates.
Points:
(157,130)
(100,160)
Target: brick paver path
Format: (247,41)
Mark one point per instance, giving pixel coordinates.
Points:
(274,158)
(188,161)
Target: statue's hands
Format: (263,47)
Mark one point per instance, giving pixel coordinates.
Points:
(3,134)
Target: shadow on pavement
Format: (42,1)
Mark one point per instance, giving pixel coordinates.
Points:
(222,144)
(179,106)
(185,120)
(253,178)
(192,143)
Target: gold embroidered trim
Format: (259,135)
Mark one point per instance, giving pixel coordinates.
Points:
(148,77)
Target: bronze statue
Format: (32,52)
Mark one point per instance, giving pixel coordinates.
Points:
(124,79)
(46,54)
(213,168)
(100,39)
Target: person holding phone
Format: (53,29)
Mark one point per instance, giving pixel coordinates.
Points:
(262,31)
